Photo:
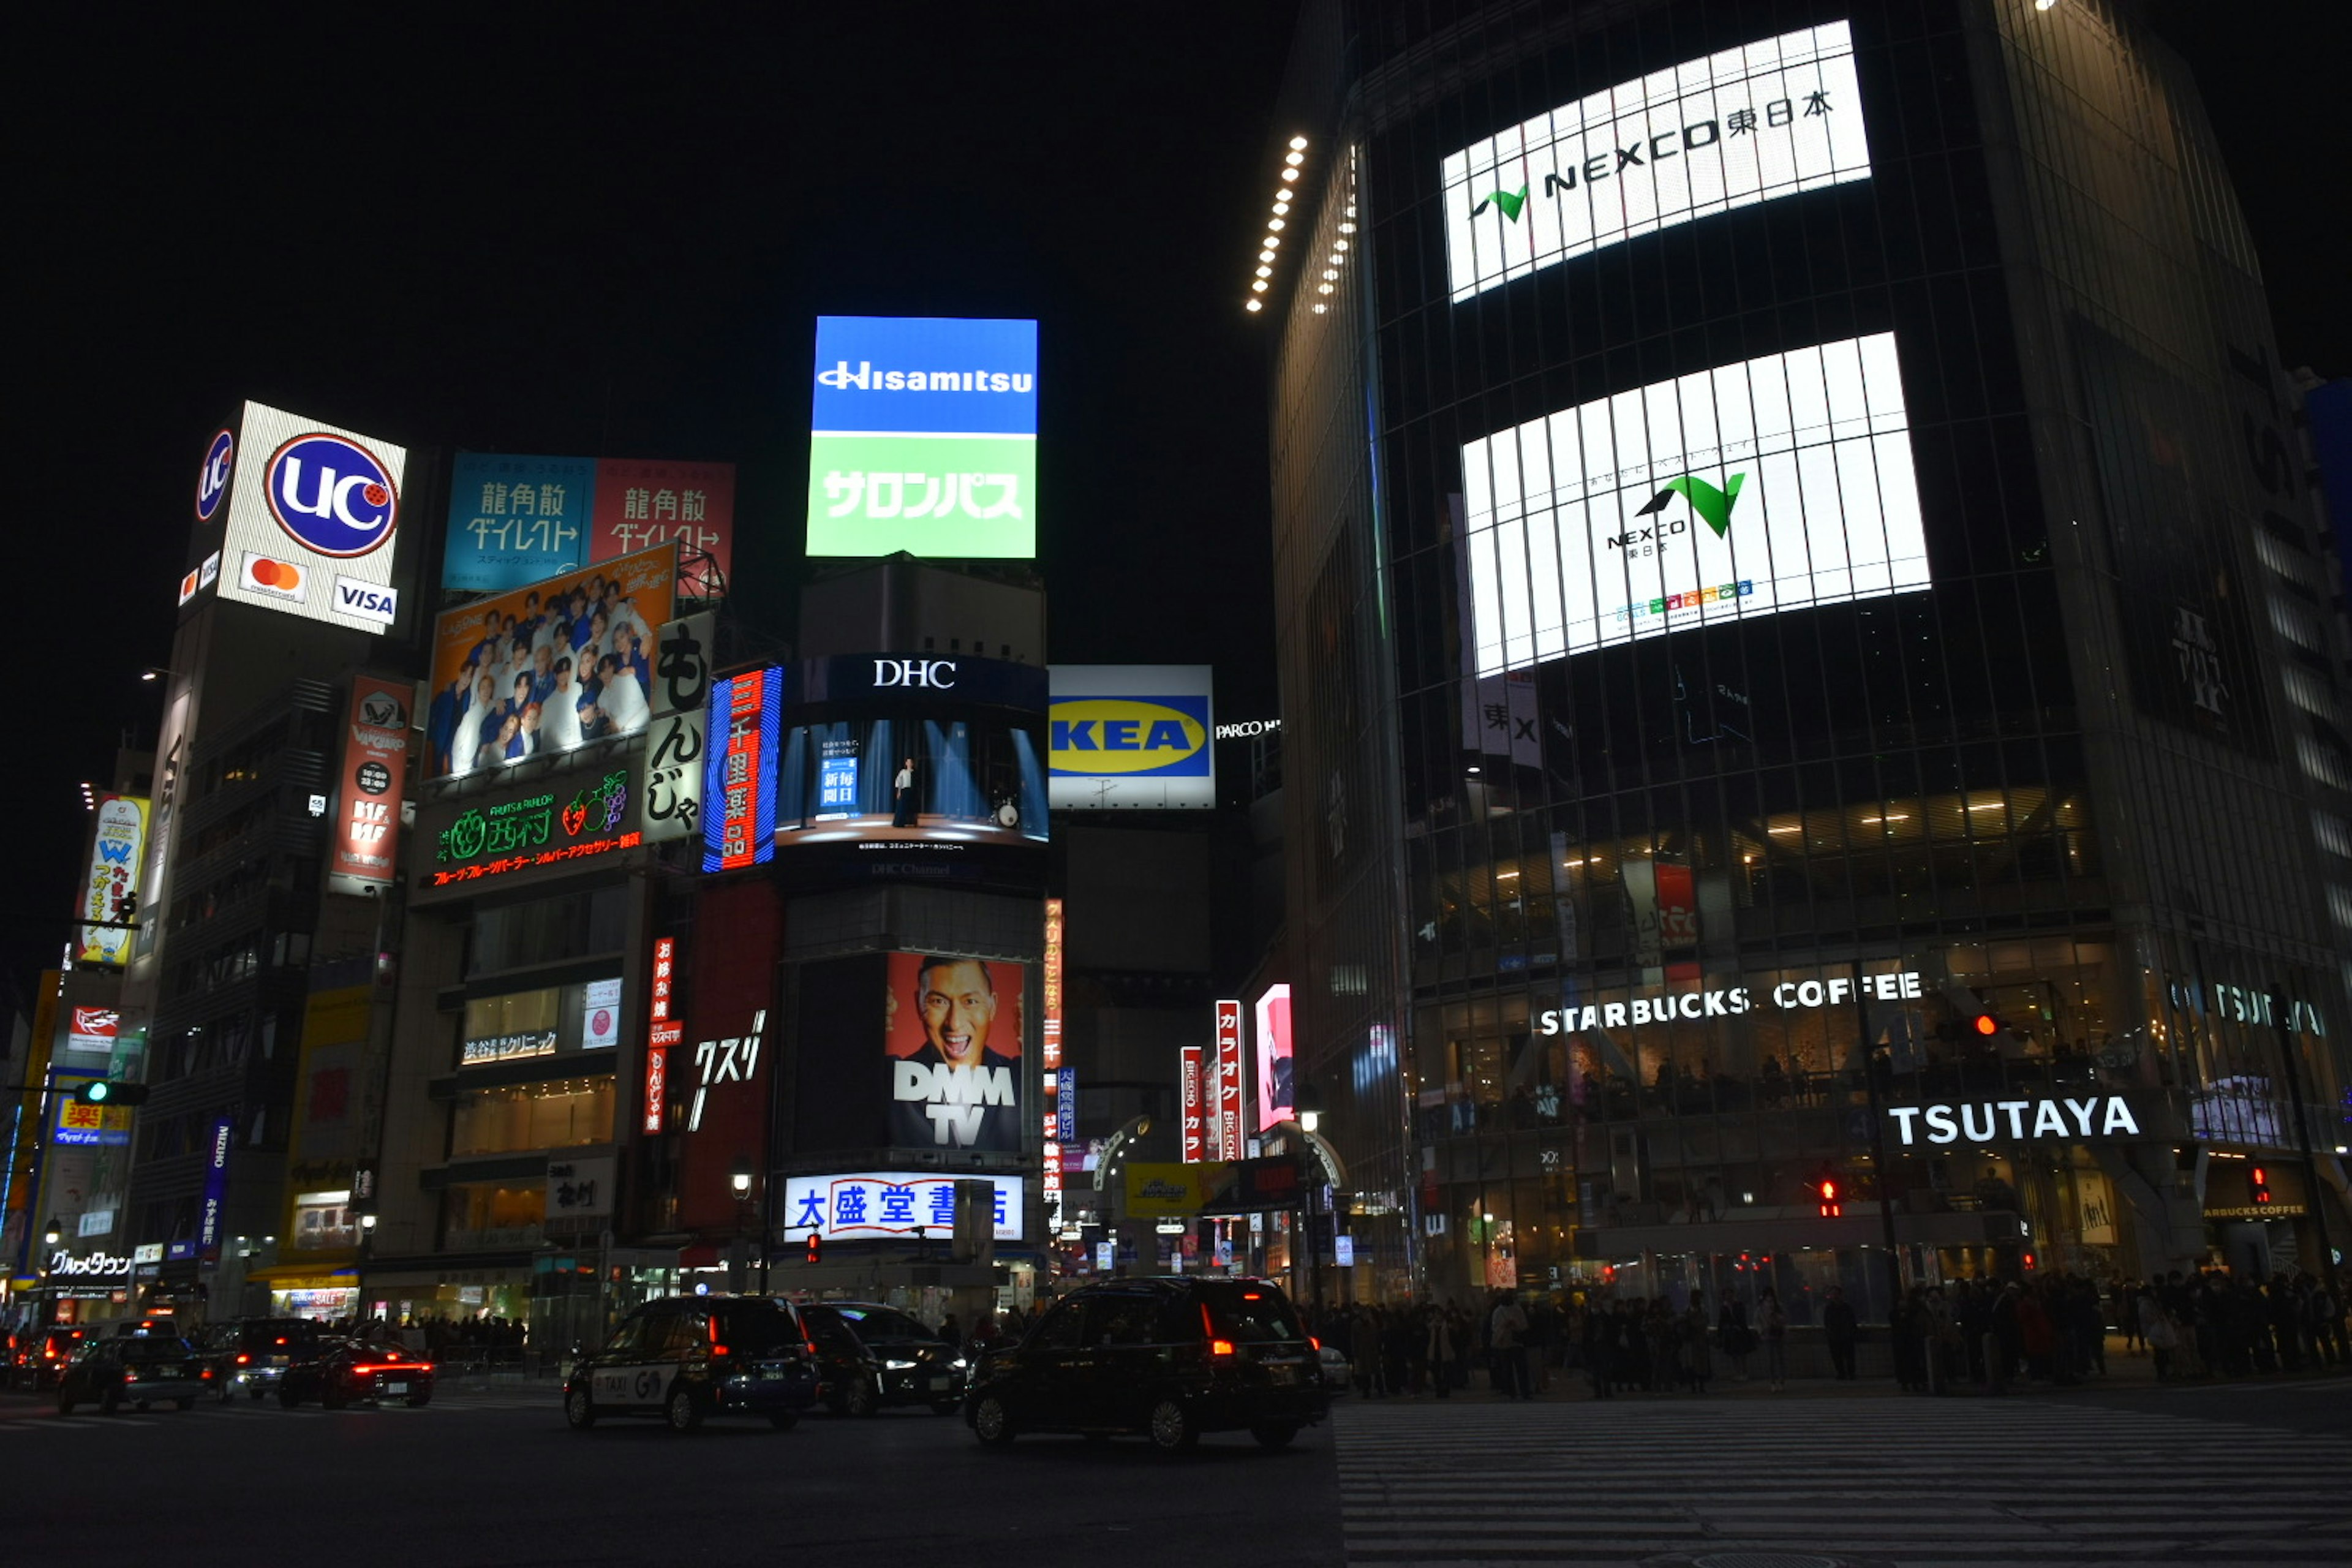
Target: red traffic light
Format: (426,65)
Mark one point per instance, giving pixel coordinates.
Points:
(2259,1181)
(816,1248)
(1987,1025)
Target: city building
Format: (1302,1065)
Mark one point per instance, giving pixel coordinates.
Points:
(1811,713)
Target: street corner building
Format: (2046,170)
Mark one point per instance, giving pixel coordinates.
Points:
(1807,655)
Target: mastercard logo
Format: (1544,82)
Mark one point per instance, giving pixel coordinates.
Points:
(272,575)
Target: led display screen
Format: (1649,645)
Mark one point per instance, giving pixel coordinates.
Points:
(1769,118)
(1774,484)
(875,1205)
(951,1035)
(515,519)
(923,438)
(314,517)
(1132,737)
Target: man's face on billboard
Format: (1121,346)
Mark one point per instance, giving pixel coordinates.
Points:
(957,1008)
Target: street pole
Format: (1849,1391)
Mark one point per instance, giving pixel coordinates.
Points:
(1878,1150)
(2282,1008)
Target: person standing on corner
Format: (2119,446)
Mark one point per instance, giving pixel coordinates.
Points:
(1772,1327)
(1839,1328)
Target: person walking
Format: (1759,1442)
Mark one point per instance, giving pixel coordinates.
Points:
(1772,1327)
(1733,1334)
(1441,1348)
(1840,1328)
(1697,1364)
(1507,1333)
(1601,1349)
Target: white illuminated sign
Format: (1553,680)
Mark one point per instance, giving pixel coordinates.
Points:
(313,521)
(1778,483)
(1788,997)
(873,1204)
(2021,1120)
(1732,130)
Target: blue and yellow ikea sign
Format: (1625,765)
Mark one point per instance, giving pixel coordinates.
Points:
(1151,737)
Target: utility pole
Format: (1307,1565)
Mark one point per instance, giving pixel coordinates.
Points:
(2283,1009)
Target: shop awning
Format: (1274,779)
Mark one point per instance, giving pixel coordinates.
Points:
(303,1275)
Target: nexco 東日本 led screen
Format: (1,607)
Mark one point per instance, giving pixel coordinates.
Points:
(1768,119)
(923,438)
(1777,483)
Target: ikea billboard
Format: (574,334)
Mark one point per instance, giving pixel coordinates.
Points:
(1131,737)
(923,438)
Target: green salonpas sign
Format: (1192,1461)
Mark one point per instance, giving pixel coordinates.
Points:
(956,497)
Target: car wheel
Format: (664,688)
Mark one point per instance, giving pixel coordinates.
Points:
(579,1410)
(946,1407)
(783,1420)
(419,1401)
(1172,1426)
(186,1403)
(288,1399)
(684,1411)
(992,1422)
(863,1401)
(1272,1435)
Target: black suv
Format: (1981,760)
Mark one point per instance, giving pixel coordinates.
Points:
(249,1355)
(686,1357)
(1171,1358)
(903,1362)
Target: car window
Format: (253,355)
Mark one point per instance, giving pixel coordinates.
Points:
(1060,1329)
(874,1322)
(155,1349)
(1121,1318)
(1250,1314)
(629,1339)
(685,1331)
(831,1328)
(755,1328)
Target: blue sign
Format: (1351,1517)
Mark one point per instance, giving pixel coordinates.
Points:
(515,521)
(208,1219)
(924,375)
(331,495)
(212,479)
(1065,1106)
(837,784)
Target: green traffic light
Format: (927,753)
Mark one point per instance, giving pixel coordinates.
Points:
(96,1091)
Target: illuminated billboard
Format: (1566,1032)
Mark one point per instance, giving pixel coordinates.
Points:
(110,890)
(916,766)
(1131,737)
(1276,1101)
(923,438)
(376,766)
(548,669)
(739,781)
(952,1033)
(1730,130)
(875,1205)
(1778,483)
(515,520)
(313,520)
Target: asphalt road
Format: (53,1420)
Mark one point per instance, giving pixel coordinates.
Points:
(502,1480)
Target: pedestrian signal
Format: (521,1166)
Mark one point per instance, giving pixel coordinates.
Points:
(2259,1181)
(816,1248)
(1832,1203)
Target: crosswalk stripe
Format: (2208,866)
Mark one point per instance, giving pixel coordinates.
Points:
(1963,1485)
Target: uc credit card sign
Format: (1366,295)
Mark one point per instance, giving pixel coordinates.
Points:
(1131,737)
(923,438)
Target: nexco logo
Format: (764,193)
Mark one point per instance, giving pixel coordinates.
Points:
(939,674)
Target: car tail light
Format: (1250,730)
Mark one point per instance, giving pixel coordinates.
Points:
(1221,1349)
(1314,1344)
(361,1371)
(243,1358)
(716,1349)
(207,1372)
(130,1374)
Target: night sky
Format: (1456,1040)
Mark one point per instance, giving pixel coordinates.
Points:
(607,242)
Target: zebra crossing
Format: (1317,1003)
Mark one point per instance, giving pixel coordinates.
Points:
(1921,1485)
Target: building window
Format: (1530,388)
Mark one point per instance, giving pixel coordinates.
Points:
(493,1214)
(558,1115)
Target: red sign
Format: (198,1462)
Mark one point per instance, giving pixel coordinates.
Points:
(1196,1118)
(375,772)
(665,975)
(658,1082)
(1050,1028)
(1229,1080)
(641,503)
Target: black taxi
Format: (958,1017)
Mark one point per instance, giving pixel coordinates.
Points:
(1171,1358)
(685,1358)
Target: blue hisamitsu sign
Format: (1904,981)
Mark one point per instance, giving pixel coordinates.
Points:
(925,375)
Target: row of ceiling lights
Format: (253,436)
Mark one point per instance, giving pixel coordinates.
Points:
(1277,222)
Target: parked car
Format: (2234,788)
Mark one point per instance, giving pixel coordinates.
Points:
(904,1363)
(249,1355)
(1169,1358)
(42,1355)
(140,1371)
(344,1370)
(686,1358)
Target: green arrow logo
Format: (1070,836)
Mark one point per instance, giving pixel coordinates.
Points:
(1712,506)
(1510,201)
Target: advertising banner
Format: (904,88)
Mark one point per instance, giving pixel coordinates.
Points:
(313,521)
(1730,130)
(110,891)
(208,1218)
(547,669)
(1195,1114)
(740,770)
(375,765)
(877,1203)
(1274,1095)
(1049,1033)
(515,520)
(1158,1190)
(676,755)
(1225,1109)
(92,1030)
(923,438)
(533,829)
(1778,483)
(1132,737)
(952,1038)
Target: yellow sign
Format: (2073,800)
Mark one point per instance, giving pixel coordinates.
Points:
(1156,1191)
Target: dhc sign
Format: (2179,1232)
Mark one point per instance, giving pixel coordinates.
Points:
(2054,1116)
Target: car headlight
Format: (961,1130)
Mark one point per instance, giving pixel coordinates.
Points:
(960,1364)
(898,1366)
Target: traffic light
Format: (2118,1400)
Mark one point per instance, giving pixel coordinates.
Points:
(110,1091)
(816,1248)
(2258,1181)
(1833,1198)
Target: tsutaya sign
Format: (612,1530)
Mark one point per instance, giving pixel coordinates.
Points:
(1789,995)
(2020,1120)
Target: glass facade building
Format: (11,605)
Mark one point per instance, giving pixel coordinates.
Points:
(1813,714)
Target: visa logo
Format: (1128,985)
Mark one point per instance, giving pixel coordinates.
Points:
(369,601)
(1094,735)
